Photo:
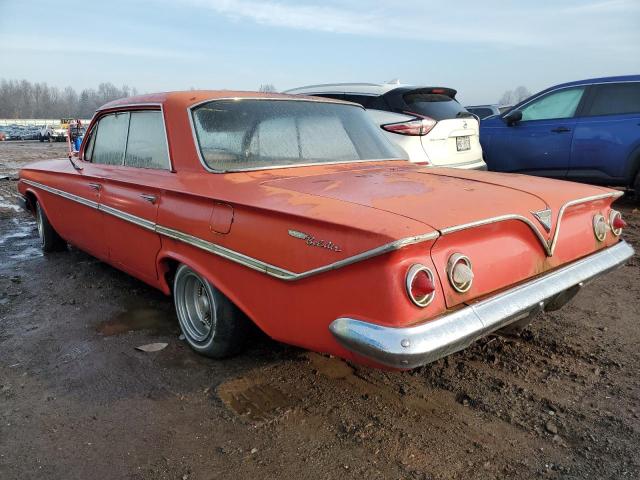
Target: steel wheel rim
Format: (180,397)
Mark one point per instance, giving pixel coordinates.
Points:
(196,307)
(39,223)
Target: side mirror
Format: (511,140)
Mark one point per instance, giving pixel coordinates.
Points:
(513,117)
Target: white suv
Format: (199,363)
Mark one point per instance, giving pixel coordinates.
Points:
(426,122)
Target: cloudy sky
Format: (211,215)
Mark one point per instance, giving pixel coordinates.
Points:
(481,48)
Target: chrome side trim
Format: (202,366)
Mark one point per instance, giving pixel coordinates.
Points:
(127,217)
(411,347)
(227,253)
(281,273)
(548,245)
(62,193)
(232,255)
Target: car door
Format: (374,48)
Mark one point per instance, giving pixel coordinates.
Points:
(540,143)
(607,134)
(131,189)
(75,215)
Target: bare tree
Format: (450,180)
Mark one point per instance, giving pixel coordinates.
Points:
(267,88)
(23,99)
(511,97)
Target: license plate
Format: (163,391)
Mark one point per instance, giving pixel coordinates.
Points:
(463,143)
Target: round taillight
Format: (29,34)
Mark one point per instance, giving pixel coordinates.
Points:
(616,222)
(460,272)
(599,227)
(420,284)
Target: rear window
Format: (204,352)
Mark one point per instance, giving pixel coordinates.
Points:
(436,106)
(254,134)
(616,98)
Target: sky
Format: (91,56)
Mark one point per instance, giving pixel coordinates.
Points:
(480,48)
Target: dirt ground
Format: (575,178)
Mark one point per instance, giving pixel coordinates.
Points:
(78,401)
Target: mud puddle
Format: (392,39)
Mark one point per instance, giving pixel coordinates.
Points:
(156,321)
(255,401)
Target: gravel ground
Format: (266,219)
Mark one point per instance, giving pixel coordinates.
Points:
(78,401)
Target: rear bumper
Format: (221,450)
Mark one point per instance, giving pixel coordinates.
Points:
(411,347)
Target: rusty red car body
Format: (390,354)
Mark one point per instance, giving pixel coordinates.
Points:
(318,255)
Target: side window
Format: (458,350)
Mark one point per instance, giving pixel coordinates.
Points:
(88,151)
(110,139)
(146,144)
(615,99)
(559,104)
(364,100)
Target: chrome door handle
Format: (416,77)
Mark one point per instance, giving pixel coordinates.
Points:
(149,198)
(95,186)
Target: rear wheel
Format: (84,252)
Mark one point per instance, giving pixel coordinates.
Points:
(49,238)
(211,323)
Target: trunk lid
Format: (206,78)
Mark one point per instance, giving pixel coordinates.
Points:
(438,198)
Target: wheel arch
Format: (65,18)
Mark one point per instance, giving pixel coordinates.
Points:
(168,262)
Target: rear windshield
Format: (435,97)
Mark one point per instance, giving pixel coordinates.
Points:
(436,106)
(256,134)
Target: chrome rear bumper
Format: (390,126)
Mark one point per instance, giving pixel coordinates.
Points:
(411,347)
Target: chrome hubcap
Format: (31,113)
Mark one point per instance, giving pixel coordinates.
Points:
(195,306)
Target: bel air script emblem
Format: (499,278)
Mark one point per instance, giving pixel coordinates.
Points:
(314,242)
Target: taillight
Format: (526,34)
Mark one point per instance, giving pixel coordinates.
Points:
(460,272)
(418,127)
(420,285)
(599,227)
(616,222)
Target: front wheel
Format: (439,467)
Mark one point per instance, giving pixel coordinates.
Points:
(211,323)
(50,241)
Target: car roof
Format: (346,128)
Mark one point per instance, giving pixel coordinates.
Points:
(362,88)
(189,98)
(588,81)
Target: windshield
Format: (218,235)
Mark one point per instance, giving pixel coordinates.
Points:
(253,134)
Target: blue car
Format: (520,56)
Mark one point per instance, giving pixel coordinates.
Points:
(586,131)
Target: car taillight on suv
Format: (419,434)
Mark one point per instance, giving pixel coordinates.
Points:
(418,127)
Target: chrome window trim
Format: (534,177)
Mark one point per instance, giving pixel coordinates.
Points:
(233,255)
(548,245)
(107,111)
(196,144)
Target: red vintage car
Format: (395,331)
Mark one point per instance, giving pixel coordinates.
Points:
(298,215)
